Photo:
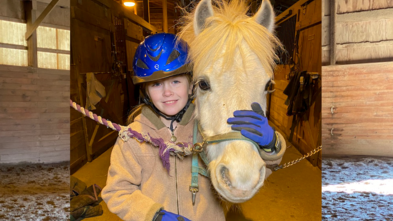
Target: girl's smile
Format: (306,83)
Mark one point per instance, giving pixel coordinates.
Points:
(169,95)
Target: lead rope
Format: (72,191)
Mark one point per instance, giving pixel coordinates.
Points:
(275,167)
(179,149)
(166,149)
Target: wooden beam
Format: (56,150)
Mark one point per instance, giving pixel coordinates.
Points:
(57,51)
(146,10)
(21,47)
(31,15)
(165,16)
(333,32)
(62,3)
(32,27)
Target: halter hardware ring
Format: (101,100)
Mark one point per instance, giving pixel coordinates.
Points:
(198,147)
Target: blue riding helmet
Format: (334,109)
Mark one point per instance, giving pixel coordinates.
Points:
(160,56)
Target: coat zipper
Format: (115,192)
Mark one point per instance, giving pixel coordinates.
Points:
(177,194)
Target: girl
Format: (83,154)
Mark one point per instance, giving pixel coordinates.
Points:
(138,186)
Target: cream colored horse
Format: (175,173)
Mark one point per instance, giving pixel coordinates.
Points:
(233,57)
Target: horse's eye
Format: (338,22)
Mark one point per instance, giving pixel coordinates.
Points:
(204,85)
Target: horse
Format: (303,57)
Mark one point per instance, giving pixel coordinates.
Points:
(233,58)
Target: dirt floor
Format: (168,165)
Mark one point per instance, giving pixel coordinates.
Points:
(34,191)
(357,189)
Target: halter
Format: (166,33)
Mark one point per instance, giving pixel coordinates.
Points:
(199,147)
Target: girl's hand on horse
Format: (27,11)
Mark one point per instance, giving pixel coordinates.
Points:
(164,215)
(255,126)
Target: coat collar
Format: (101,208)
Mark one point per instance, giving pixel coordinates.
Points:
(158,124)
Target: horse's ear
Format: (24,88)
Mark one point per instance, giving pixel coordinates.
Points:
(203,10)
(265,15)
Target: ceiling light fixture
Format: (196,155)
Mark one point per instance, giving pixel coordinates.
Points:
(129,3)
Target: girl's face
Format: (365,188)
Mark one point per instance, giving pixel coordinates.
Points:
(169,95)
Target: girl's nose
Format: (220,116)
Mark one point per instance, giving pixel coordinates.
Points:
(167,91)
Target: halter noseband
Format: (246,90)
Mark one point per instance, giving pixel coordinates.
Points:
(233,135)
(199,147)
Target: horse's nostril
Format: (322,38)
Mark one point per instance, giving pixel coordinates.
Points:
(225,176)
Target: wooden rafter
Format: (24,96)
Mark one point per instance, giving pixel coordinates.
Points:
(32,27)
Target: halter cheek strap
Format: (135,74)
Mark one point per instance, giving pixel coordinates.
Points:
(195,169)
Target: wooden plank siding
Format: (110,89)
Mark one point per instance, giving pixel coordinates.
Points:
(35,115)
(363,32)
(363,116)
(308,28)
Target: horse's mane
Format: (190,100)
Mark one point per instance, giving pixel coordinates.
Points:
(225,30)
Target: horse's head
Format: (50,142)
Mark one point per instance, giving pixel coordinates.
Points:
(233,57)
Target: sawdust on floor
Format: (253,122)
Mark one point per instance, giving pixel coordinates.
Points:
(34,191)
(357,188)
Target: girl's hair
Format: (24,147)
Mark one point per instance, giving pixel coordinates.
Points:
(143,89)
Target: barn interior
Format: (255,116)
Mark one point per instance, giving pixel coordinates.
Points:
(104,36)
(357,110)
(50,48)
(34,111)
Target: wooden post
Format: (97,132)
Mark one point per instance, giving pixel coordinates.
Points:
(165,16)
(146,10)
(31,28)
(333,32)
(31,15)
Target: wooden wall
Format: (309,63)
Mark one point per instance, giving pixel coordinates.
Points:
(156,15)
(362,119)
(357,83)
(34,108)
(308,29)
(363,31)
(35,115)
(92,24)
(12,10)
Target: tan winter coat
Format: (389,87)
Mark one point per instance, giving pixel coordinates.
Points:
(138,185)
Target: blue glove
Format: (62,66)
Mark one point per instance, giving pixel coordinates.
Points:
(163,215)
(254,125)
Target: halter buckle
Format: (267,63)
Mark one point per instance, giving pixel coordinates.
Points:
(198,147)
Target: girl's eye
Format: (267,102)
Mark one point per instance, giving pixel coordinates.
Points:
(176,81)
(203,85)
(155,84)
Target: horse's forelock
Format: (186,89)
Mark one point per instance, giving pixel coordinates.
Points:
(228,28)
